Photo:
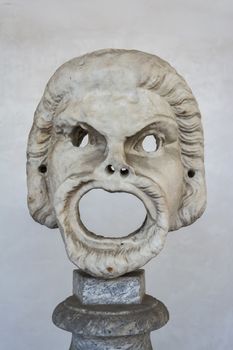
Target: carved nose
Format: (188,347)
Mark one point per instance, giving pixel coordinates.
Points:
(124,170)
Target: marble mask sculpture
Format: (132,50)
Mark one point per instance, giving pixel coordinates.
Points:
(116,98)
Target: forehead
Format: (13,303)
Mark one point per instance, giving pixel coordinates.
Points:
(116,113)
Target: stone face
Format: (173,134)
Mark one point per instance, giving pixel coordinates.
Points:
(90,131)
(127,289)
(110,326)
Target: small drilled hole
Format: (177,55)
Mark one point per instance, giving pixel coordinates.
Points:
(42,168)
(124,171)
(191,173)
(110,169)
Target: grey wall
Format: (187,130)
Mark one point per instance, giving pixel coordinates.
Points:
(193,274)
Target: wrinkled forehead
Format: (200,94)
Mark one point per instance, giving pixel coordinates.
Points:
(116,113)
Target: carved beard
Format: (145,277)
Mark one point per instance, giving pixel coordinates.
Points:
(111,257)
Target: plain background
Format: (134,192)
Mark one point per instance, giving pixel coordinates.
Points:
(193,274)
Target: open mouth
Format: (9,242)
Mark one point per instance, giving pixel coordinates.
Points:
(111,228)
(111,214)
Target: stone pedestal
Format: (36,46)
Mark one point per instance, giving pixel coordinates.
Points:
(111,314)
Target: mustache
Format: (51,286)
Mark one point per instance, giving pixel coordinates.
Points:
(154,191)
(151,187)
(148,186)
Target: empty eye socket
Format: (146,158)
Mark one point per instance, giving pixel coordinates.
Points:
(84,141)
(150,143)
(79,137)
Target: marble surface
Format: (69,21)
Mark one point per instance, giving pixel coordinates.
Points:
(129,289)
(110,325)
(194,270)
(90,132)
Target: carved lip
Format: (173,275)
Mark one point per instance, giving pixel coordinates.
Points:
(91,239)
(136,200)
(104,256)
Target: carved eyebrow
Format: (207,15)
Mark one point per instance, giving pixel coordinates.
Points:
(87,126)
(158,124)
(68,121)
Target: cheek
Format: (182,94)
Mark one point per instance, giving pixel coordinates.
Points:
(65,160)
(173,175)
(165,169)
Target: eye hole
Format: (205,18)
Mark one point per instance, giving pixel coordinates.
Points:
(84,141)
(79,137)
(150,143)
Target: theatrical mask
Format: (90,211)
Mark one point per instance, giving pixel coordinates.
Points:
(113,100)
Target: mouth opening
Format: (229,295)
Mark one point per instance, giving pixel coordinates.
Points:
(111,214)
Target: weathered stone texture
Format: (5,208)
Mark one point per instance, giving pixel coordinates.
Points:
(107,326)
(89,132)
(129,289)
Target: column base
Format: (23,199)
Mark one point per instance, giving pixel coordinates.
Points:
(137,342)
(110,326)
